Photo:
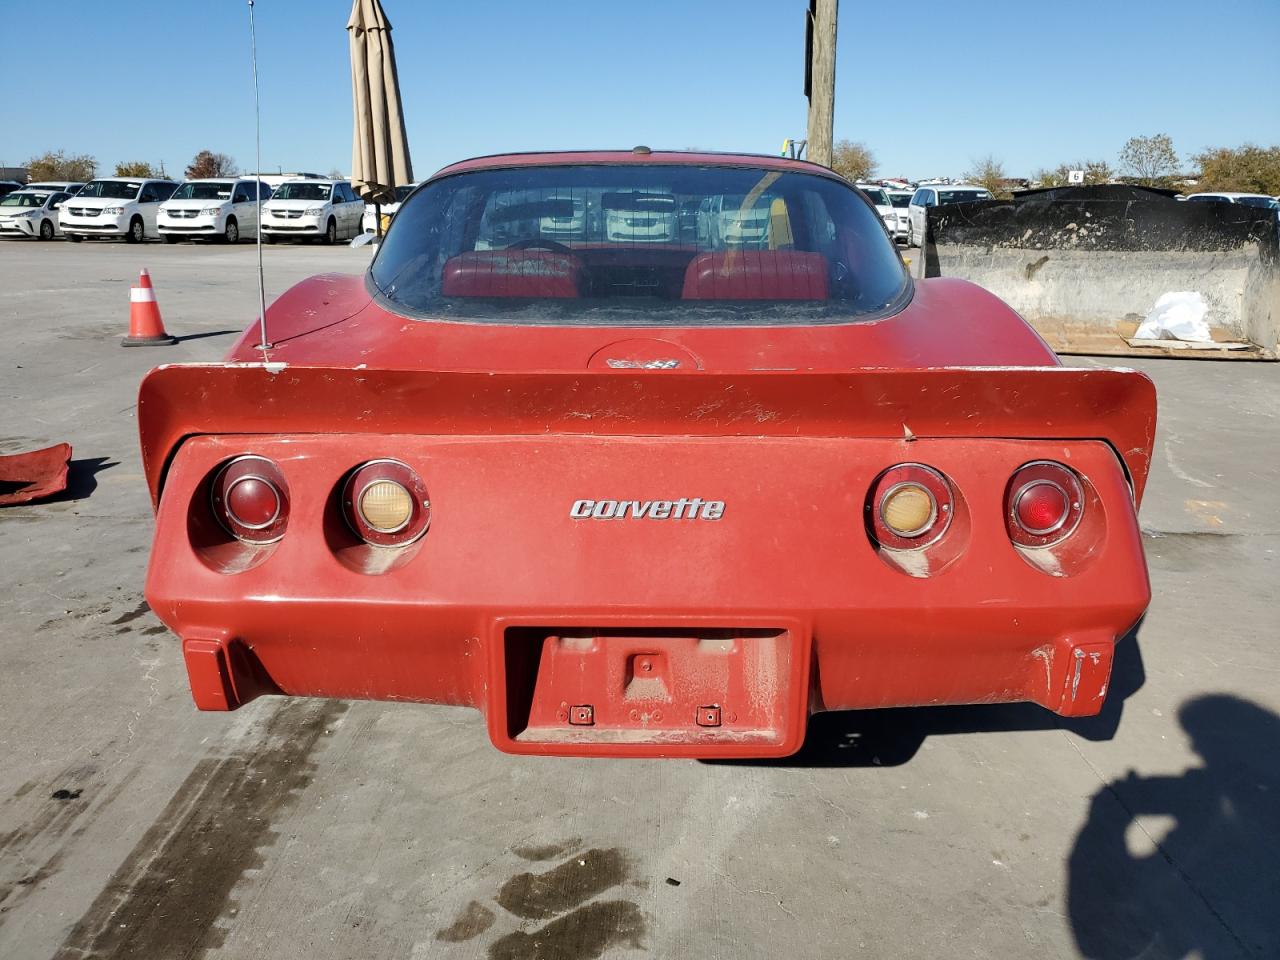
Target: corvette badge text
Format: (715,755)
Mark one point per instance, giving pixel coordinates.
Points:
(686,508)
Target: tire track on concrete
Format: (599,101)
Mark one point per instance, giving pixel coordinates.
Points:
(167,896)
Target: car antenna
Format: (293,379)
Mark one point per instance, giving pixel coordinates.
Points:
(263,345)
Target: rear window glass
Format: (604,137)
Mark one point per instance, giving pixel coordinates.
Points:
(962,196)
(1265,202)
(640,245)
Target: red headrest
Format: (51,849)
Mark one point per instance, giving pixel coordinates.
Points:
(513,273)
(756,275)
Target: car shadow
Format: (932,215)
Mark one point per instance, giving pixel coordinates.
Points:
(891,737)
(1186,864)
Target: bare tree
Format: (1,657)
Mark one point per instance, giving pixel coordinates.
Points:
(206,164)
(335,174)
(1152,159)
(853,161)
(56,165)
(135,168)
(989,172)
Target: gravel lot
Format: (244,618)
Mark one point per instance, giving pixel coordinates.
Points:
(132,826)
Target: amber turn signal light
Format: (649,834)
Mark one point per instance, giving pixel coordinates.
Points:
(386,506)
(385,502)
(909,506)
(908,509)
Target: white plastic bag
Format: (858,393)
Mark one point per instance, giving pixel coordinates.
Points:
(1176,316)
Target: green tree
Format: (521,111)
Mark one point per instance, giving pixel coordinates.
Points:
(206,164)
(135,168)
(1152,159)
(853,161)
(1247,169)
(58,165)
(989,172)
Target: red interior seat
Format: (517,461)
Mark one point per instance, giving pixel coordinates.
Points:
(756,275)
(513,273)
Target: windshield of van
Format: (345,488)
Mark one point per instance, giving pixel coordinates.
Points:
(202,191)
(110,189)
(302,191)
(640,245)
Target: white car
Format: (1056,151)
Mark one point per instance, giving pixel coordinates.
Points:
(1245,199)
(115,207)
(726,221)
(56,186)
(31,213)
(937,195)
(389,210)
(879,197)
(639,217)
(311,209)
(223,209)
(900,199)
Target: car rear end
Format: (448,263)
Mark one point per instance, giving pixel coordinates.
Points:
(656,550)
(601,569)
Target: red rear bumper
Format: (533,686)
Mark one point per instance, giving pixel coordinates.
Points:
(638,637)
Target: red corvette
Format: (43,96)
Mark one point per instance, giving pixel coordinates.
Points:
(646,454)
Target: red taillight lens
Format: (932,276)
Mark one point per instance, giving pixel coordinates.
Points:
(386,503)
(910,506)
(251,500)
(1043,504)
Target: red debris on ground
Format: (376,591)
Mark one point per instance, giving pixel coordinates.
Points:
(34,475)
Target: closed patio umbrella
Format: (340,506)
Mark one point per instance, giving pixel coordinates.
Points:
(380,150)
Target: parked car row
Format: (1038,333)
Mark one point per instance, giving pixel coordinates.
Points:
(223,209)
(1260,200)
(903,212)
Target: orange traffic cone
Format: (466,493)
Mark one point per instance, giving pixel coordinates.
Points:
(146,329)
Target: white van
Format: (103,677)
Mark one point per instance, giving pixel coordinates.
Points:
(126,207)
(389,210)
(879,197)
(327,210)
(936,195)
(223,209)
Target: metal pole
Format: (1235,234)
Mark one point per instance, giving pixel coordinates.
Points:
(822,79)
(257,162)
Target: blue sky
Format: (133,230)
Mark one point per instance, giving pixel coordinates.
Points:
(928,86)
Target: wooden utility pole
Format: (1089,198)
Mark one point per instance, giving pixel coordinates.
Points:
(820,78)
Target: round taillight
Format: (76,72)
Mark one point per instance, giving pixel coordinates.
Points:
(250,499)
(909,506)
(1043,504)
(385,503)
